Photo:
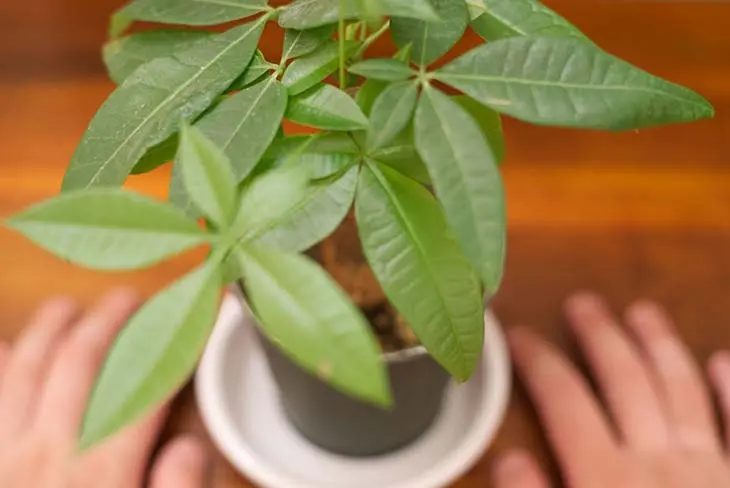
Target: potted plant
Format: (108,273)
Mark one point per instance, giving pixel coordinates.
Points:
(414,150)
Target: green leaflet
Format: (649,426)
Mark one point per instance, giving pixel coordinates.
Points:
(306,314)
(208,176)
(185,12)
(368,93)
(489,122)
(323,207)
(156,156)
(257,69)
(178,195)
(401,155)
(326,107)
(306,14)
(321,142)
(307,71)
(123,56)
(150,104)
(109,229)
(384,69)
(467,181)
(266,198)
(300,42)
(421,268)
(391,113)
(244,124)
(581,86)
(508,18)
(431,40)
(154,355)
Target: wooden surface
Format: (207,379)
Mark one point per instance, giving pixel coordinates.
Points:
(630,215)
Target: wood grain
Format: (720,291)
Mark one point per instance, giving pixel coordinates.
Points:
(630,215)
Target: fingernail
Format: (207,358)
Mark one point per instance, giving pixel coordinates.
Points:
(510,467)
(720,364)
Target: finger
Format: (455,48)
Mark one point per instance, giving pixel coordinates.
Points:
(572,417)
(719,373)
(182,464)
(76,366)
(123,459)
(679,377)
(518,469)
(28,364)
(621,372)
(4,357)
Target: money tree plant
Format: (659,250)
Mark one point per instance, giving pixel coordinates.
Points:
(412,148)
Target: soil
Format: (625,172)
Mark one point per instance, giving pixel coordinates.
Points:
(342,256)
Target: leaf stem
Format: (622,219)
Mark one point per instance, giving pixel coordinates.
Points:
(371,39)
(341,36)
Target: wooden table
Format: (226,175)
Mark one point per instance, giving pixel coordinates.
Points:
(630,215)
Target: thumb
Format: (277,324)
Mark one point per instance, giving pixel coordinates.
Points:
(518,469)
(183,463)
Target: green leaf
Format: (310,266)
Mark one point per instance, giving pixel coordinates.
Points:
(321,142)
(156,156)
(266,198)
(123,56)
(382,69)
(306,314)
(109,229)
(431,40)
(148,107)
(420,267)
(489,122)
(244,124)
(509,18)
(178,195)
(467,181)
(326,107)
(154,355)
(404,158)
(208,176)
(324,205)
(257,69)
(391,113)
(307,71)
(306,14)
(300,42)
(580,86)
(185,12)
(368,93)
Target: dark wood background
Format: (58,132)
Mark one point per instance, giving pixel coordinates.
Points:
(630,215)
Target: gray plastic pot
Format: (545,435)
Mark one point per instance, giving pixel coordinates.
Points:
(340,424)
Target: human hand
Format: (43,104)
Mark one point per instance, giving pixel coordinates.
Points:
(663,433)
(45,382)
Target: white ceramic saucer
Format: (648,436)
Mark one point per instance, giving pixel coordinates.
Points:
(239,404)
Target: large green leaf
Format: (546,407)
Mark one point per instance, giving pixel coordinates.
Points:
(123,56)
(300,42)
(467,181)
(368,93)
(306,314)
(420,266)
(580,86)
(385,69)
(306,14)
(208,176)
(323,207)
(148,107)
(391,113)
(109,228)
(186,12)
(431,40)
(489,122)
(321,143)
(266,198)
(307,71)
(402,156)
(244,124)
(154,355)
(508,18)
(326,107)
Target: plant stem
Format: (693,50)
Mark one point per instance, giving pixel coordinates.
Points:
(371,39)
(341,35)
